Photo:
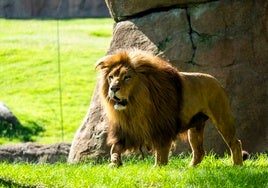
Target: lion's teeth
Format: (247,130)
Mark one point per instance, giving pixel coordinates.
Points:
(119,107)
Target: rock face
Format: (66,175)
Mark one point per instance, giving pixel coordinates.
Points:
(227,39)
(52,8)
(89,142)
(34,153)
(124,9)
(10,127)
(8,121)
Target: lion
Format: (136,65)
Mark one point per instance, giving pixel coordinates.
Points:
(148,102)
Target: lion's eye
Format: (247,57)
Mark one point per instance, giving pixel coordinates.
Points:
(127,77)
(110,78)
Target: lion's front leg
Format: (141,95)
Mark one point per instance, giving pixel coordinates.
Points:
(115,153)
(161,155)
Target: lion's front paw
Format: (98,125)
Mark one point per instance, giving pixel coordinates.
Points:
(114,165)
(115,160)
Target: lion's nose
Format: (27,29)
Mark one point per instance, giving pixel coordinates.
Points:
(115,88)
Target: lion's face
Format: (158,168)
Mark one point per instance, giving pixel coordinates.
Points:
(121,81)
(124,79)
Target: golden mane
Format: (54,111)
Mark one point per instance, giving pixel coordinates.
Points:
(148,119)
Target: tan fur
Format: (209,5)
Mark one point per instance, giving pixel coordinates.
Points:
(149,102)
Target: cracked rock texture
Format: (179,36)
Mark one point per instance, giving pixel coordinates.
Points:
(227,39)
(124,9)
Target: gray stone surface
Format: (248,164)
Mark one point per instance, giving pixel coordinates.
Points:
(7,118)
(9,123)
(34,153)
(89,142)
(124,9)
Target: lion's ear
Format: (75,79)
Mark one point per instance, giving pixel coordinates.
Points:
(102,62)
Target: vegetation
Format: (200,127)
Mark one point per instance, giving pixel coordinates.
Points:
(212,172)
(29,70)
(29,86)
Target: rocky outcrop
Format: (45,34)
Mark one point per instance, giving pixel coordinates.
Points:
(125,9)
(34,153)
(227,39)
(89,141)
(52,8)
(11,128)
(7,120)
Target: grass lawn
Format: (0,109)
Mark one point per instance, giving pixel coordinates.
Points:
(29,83)
(29,86)
(212,172)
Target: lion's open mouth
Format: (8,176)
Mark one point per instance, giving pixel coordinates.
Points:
(120,104)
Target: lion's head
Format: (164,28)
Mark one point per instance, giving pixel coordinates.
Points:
(126,76)
(119,79)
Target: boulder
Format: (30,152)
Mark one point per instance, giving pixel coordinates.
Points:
(8,121)
(124,9)
(89,142)
(11,128)
(227,39)
(34,153)
(168,43)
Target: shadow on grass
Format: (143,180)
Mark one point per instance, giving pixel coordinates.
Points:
(20,132)
(10,183)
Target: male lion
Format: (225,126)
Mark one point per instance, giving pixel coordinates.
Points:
(149,102)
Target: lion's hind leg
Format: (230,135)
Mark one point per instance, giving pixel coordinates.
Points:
(196,136)
(228,134)
(222,118)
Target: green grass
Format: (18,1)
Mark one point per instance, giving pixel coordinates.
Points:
(29,86)
(29,72)
(212,172)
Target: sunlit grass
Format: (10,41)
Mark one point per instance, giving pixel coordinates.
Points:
(29,83)
(29,86)
(212,172)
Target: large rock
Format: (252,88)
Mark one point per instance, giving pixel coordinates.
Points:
(11,128)
(34,153)
(124,9)
(89,142)
(8,121)
(174,44)
(52,8)
(227,39)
